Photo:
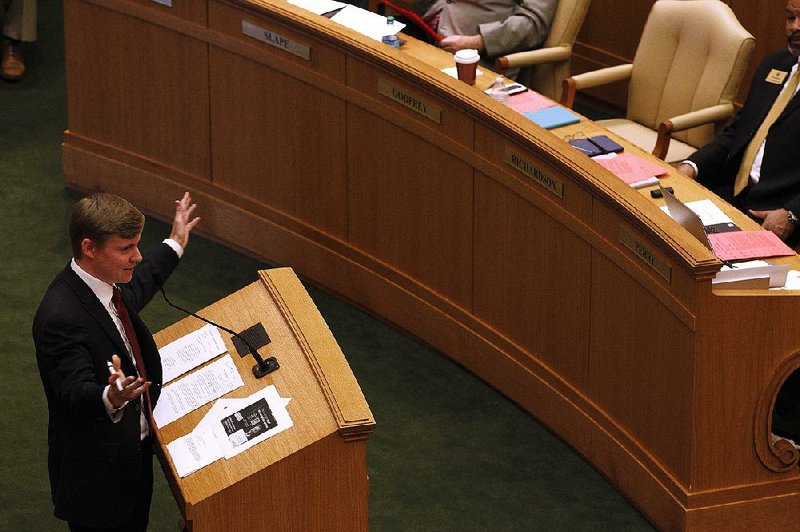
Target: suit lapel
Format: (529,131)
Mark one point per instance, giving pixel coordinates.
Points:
(95,309)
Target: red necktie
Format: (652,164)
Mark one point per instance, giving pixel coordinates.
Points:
(127,326)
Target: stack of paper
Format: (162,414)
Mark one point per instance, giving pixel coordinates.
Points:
(318,7)
(196,389)
(741,245)
(634,170)
(366,23)
(754,269)
(528,101)
(230,427)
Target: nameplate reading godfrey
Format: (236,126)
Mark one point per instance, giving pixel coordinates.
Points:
(406,99)
(277,40)
(646,254)
(552,184)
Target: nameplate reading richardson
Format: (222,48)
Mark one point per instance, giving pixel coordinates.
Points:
(647,255)
(406,99)
(552,184)
(277,40)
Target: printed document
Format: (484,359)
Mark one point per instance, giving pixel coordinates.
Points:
(230,427)
(196,389)
(188,352)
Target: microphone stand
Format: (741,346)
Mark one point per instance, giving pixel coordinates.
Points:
(262,367)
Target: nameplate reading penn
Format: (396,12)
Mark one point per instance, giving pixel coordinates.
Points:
(277,40)
(646,254)
(556,186)
(406,99)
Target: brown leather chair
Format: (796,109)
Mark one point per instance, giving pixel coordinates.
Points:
(545,68)
(683,79)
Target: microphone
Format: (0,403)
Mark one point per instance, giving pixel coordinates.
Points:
(262,367)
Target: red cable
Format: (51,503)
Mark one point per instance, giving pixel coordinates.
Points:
(413,17)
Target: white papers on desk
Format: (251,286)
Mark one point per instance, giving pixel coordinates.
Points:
(196,389)
(792,281)
(230,427)
(753,269)
(366,22)
(708,212)
(318,7)
(188,352)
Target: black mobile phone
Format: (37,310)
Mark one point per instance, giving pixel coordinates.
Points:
(656,192)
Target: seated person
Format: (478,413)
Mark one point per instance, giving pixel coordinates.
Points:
(493,27)
(753,163)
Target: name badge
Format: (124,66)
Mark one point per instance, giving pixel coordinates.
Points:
(776,76)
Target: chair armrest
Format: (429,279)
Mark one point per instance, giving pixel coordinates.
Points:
(700,117)
(687,121)
(534,57)
(593,78)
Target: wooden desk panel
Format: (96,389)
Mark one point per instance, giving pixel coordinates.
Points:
(529,270)
(398,180)
(137,87)
(290,135)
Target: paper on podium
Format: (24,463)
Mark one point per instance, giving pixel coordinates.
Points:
(230,427)
(196,389)
(188,352)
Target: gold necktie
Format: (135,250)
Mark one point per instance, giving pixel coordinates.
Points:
(743,177)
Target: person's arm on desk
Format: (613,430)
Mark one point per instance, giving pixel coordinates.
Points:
(778,221)
(454,43)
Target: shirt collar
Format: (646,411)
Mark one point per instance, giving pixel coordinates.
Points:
(101,289)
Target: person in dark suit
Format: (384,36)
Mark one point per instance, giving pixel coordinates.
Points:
(753,163)
(99,364)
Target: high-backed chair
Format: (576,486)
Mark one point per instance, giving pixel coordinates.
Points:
(683,79)
(545,68)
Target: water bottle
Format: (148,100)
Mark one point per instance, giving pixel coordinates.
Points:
(498,91)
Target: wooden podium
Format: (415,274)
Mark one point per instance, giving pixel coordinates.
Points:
(312,476)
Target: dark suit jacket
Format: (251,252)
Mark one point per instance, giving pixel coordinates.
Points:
(94,464)
(719,161)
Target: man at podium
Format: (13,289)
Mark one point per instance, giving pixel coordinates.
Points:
(99,365)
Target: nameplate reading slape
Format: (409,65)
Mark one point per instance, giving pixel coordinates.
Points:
(647,255)
(406,99)
(552,184)
(277,40)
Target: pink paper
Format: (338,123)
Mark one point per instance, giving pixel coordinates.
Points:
(631,168)
(529,101)
(739,245)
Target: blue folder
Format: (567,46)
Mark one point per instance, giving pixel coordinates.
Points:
(553,117)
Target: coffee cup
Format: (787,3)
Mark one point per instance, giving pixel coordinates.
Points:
(467,65)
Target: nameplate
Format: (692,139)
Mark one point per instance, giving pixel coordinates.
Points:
(407,99)
(277,40)
(776,77)
(167,3)
(555,186)
(646,254)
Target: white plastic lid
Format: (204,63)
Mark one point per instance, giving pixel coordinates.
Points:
(467,55)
